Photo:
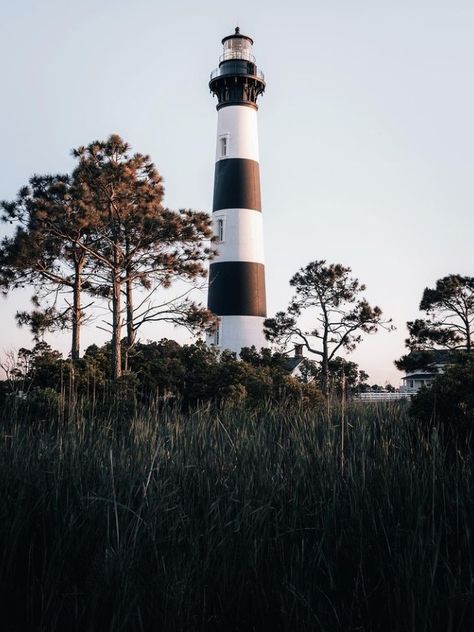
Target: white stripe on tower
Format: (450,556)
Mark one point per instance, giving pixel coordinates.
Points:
(237,274)
(238,123)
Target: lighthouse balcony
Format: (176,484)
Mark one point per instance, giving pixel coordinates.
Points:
(239,67)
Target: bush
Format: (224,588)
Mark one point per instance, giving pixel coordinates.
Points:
(449,400)
(166,370)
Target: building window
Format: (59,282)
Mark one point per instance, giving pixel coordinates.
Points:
(224,146)
(220,229)
(411,383)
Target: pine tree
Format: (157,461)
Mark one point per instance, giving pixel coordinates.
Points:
(105,230)
(447,331)
(46,251)
(333,302)
(139,242)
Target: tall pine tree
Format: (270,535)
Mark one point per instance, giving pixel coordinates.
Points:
(139,242)
(46,251)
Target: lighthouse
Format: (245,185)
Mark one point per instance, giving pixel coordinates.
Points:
(237,274)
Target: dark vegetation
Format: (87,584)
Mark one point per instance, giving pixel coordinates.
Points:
(158,372)
(233,517)
(203,492)
(449,400)
(442,344)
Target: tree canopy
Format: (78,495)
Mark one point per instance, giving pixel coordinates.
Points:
(104,230)
(47,252)
(331,301)
(449,401)
(448,326)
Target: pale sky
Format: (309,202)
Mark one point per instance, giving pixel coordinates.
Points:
(366,129)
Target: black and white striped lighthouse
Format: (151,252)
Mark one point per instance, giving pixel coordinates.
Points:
(237,274)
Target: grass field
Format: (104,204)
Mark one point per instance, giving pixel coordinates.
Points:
(234,519)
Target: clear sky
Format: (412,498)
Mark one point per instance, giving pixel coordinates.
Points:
(366,128)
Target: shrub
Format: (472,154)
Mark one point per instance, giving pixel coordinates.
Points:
(449,400)
(166,370)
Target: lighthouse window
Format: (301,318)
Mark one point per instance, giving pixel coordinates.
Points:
(220,229)
(224,146)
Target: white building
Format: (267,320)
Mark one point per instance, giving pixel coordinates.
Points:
(415,379)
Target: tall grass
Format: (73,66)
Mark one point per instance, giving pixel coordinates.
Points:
(231,518)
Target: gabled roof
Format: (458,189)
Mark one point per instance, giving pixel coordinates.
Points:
(420,376)
(293,362)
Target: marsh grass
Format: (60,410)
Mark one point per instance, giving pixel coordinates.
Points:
(233,518)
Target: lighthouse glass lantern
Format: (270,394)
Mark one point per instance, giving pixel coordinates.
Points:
(237,48)
(237,274)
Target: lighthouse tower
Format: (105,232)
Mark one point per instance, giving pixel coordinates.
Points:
(237,274)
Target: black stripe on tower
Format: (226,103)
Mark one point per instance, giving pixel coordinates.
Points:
(237,288)
(237,184)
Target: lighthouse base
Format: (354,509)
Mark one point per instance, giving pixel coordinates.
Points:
(236,332)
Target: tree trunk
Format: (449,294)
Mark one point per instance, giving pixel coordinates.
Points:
(116,317)
(76,311)
(130,330)
(325,374)
(325,360)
